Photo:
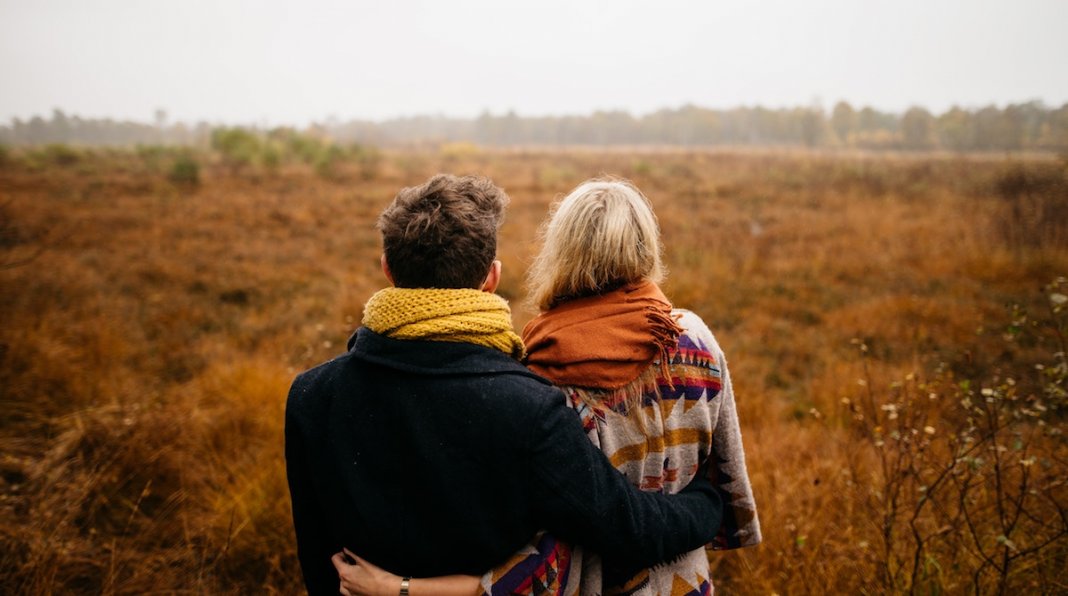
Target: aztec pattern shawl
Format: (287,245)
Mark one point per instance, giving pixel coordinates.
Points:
(687,415)
(456,315)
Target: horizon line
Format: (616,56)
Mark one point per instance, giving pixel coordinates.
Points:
(330,119)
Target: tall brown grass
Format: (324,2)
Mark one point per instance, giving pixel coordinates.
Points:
(149,330)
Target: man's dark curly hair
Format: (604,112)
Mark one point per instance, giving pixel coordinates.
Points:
(443,234)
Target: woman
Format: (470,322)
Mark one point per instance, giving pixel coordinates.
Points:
(650,384)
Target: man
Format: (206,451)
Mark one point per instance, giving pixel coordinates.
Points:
(429,450)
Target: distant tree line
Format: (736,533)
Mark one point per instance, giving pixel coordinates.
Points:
(105,132)
(1028,126)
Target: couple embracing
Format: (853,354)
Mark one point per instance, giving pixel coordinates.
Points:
(599,453)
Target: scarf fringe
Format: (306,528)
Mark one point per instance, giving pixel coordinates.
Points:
(665,330)
(628,400)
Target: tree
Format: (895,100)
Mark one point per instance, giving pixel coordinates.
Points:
(955,129)
(812,126)
(843,121)
(917,129)
(59,130)
(160,116)
(1055,135)
(988,127)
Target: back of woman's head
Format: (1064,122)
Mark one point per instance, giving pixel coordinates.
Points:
(600,237)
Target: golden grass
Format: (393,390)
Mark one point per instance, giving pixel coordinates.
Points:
(147,346)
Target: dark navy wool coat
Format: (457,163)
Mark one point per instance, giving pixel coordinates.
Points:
(432,458)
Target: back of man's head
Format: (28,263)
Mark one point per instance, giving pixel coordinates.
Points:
(443,234)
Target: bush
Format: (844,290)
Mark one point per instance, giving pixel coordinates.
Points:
(305,147)
(60,155)
(152,156)
(239,148)
(185,171)
(326,161)
(271,157)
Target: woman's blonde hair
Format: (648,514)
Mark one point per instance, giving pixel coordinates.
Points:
(599,237)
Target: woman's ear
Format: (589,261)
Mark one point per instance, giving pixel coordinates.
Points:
(386,271)
(492,278)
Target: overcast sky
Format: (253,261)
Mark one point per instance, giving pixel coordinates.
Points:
(274,62)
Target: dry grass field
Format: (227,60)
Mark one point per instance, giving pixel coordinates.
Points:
(895,327)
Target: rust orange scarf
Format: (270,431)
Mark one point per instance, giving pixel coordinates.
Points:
(605,341)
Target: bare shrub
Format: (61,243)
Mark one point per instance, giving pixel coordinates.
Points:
(966,475)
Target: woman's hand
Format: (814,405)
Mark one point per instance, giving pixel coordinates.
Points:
(364,579)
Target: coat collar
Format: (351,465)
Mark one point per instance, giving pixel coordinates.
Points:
(435,358)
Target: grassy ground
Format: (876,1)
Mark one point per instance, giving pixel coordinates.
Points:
(891,333)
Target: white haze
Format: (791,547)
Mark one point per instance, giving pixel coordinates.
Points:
(270,62)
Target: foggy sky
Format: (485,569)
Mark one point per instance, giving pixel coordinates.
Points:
(270,62)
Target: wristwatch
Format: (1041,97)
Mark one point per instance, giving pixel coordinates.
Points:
(404,585)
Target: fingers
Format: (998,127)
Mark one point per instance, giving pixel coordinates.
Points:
(339,562)
(344,592)
(360,560)
(353,556)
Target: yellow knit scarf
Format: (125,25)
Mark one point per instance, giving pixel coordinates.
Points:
(464,316)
